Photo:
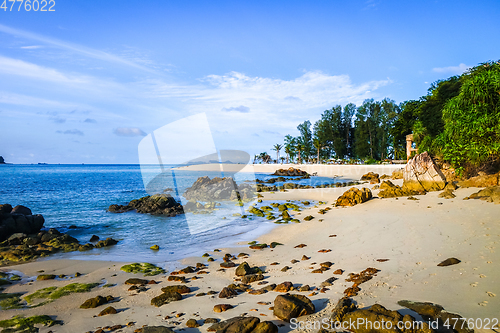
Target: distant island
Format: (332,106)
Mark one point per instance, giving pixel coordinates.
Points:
(2,161)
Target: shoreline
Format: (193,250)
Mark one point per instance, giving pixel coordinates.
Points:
(413,237)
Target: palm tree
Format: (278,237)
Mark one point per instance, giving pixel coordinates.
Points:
(318,145)
(290,142)
(282,159)
(264,157)
(277,147)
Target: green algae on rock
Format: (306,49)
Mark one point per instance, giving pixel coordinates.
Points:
(22,324)
(53,293)
(146,268)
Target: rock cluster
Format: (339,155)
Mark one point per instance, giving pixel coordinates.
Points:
(158,204)
(354,196)
(244,325)
(290,172)
(208,190)
(489,194)
(389,190)
(18,220)
(481,181)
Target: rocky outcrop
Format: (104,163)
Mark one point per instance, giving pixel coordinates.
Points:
(244,325)
(245,269)
(372,177)
(389,190)
(288,306)
(422,174)
(290,172)
(354,196)
(489,194)
(209,190)
(18,220)
(481,181)
(158,204)
(166,298)
(2,161)
(92,303)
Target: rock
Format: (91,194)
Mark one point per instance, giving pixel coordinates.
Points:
(43,277)
(227,293)
(284,287)
(235,325)
(305,288)
(290,172)
(338,271)
(192,323)
(344,305)
(211,321)
(157,204)
(155,247)
(481,181)
(354,196)
(258,246)
(427,310)
(228,264)
(372,177)
(489,194)
(447,194)
(109,310)
(245,269)
(209,190)
(94,238)
(107,242)
(389,190)
(397,174)
(328,282)
(181,279)
(166,298)
(222,307)
(19,209)
(378,313)
(327,264)
(136,281)
(287,306)
(156,329)
(422,174)
(181,289)
(92,303)
(284,269)
(252,278)
(265,327)
(449,262)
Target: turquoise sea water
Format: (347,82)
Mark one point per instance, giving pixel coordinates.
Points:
(78,196)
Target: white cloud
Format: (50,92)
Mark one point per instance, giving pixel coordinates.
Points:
(454,70)
(129,131)
(31,47)
(85,51)
(71,132)
(241,108)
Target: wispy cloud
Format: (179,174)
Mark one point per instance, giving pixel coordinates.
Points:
(58,120)
(71,132)
(19,99)
(129,131)
(454,70)
(88,52)
(32,47)
(241,108)
(90,121)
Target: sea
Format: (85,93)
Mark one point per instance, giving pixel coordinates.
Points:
(74,199)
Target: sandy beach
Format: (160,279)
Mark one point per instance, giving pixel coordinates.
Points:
(414,235)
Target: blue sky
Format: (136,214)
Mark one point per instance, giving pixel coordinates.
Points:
(86,83)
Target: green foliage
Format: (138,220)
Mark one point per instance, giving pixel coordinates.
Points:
(146,268)
(20,323)
(53,293)
(471,137)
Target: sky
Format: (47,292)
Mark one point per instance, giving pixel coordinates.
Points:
(87,82)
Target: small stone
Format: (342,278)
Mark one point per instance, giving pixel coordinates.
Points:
(109,310)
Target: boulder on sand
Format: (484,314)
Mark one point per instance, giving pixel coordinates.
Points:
(291,172)
(372,177)
(354,196)
(288,306)
(422,174)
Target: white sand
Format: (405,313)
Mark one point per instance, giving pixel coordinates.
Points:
(414,235)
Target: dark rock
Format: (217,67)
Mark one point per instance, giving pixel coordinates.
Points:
(235,325)
(92,303)
(19,209)
(137,281)
(156,329)
(265,327)
(481,181)
(181,289)
(211,321)
(489,194)
(447,194)
(192,323)
(344,305)
(181,279)
(166,298)
(158,204)
(222,307)
(427,310)
(43,277)
(109,310)
(284,287)
(290,172)
(252,278)
(227,293)
(258,246)
(354,196)
(107,242)
(94,238)
(228,264)
(287,306)
(449,262)
(209,190)
(245,269)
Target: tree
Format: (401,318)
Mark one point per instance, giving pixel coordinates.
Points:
(264,157)
(406,115)
(347,115)
(471,136)
(318,144)
(290,142)
(305,138)
(299,147)
(277,147)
